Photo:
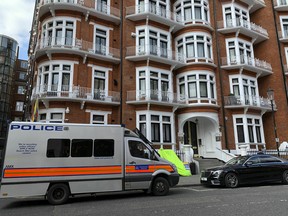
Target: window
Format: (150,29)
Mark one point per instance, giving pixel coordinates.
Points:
(24,64)
(22,75)
(197,85)
(139,150)
(234,16)
(157,127)
(58,148)
(55,78)
(98,119)
(240,52)
(52,115)
(155,84)
(103,148)
(58,32)
(101,45)
(284,26)
(81,148)
(19,106)
(195,46)
(157,41)
(21,90)
(102,6)
(248,129)
(193,11)
(245,88)
(100,80)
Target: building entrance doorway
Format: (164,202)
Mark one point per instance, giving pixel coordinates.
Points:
(190,136)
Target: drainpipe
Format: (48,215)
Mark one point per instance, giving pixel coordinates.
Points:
(121,62)
(279,50)
(220,76)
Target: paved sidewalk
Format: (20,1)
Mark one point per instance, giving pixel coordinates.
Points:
(189,180)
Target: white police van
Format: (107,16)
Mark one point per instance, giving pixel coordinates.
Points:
(57,161)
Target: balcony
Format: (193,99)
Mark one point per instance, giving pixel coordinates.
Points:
(75,94)
(155,97)
(281,5)
(87,7)
(257,33)
(247,102)
(154,53)
(262,68)
(51,45)
(157,14)
(254,5)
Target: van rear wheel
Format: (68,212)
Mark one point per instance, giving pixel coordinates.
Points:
(58,194)
(160,187)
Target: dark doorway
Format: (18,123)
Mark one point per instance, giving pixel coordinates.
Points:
(190,135)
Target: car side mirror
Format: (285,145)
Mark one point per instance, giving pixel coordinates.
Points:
(248,163)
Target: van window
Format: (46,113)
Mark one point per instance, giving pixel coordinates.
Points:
(138,149)
(58,148)
(81,148)
(103,148)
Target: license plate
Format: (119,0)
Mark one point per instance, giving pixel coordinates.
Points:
(203,179)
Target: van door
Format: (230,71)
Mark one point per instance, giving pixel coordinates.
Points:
(139,165)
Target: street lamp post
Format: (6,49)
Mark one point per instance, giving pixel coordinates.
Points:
(270,94)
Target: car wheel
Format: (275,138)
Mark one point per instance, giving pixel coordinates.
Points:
(58,194)
(285,177)
(160,187)
(231,180)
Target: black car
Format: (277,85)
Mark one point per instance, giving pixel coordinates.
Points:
(248,169)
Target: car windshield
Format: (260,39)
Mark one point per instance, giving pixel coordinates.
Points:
(237,160)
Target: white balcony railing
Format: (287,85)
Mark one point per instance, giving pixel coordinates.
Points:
(75,93)
(77,44)
(247,100)
(155,10)
(154,51)
(155,95)
(233,23)
(89,4)
(246,60)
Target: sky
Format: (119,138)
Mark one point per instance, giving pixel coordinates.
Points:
(15,22)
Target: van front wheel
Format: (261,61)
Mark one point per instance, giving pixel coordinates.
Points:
(160,187)
(58,194)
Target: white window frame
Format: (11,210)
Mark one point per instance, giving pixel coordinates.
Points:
(102,113)
(284,33)
(107,30)
(238,58)
(246,132)
(148,89)
(197,73)
(49,112)
(19,107)
(207,40)
(254,99)
(179,9)
(144,7)
(146,35)
(40,79)
(20,89)
(244,15)
(107,75)
(148,124)
(46,41)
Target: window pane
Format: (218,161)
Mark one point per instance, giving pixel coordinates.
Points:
(104,148)
(138,149)
(58,148)
(240,134)
(81,148)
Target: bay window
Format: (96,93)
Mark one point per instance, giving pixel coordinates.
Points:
(239,52)
(58,31)
(197,85)
(192,11)
(195,46)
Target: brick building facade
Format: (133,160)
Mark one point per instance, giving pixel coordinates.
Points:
(190,72)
